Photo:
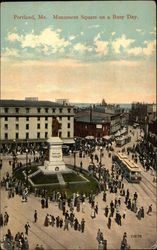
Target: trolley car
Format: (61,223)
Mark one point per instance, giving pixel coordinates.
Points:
(130,170)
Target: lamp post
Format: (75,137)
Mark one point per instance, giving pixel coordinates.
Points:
(74,160)
(100,156)
(14,155)
(0,158)
(26,167)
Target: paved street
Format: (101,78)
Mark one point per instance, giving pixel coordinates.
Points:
(141,233)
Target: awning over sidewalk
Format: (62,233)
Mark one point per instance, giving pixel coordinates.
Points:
(68,141)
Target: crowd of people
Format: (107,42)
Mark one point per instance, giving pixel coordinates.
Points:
(111,181)
(4,219)
(20,241)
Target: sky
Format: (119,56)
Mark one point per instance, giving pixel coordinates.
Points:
(81,51)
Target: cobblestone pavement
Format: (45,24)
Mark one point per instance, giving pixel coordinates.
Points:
(141,233)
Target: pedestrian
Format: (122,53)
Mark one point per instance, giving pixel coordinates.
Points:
(61,223)
(149,209)
(35,216)
(1,220)
(66,225)
(104,196)
(139,214)
(92,213)
(98,235)
(57,221)
(109,222)
(75,223)
(100,246)
(52,220)
(142,212)
(83,207)
(42,203)
(27,226)
(96,208)
(46,222)
(46,203)
(124,214)
(106,211)
(82,225)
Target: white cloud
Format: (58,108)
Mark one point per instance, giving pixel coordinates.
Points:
(113,33)
(11,52)
(72,37)
(153,32)
(14,37)
(147,51)
(94,26)
(135,51)
(90,49)
(80,47)
(121,42)
(138,30)
(48,37)
(97,37)
(151,47)
(101,47)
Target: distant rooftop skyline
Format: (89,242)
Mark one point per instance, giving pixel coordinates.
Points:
(83,59)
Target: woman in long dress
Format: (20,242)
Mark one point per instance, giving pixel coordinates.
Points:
(83,207)
(46,223)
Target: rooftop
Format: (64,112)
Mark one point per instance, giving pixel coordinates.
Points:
(30,103)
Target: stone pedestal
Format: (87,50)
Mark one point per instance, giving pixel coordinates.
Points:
(55,163)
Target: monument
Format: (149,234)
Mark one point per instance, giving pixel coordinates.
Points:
(54,160)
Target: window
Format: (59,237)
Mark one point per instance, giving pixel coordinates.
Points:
(6,126)
(53,110)
(17,135)
(38,135)
(60,110)
(46,134)
(60,134)
(6,110)
(27,118)
(68,125)
(6,119)
(68,134)
(38,118)
(17,119)
(17,110)
(27,126)
(6,136)
(17,126)
(46,118)
(68,118)
(39,109)
(46,125)
(60,125)
(46,110)
(27,110)
(27,135)
(69,110)
(38,126)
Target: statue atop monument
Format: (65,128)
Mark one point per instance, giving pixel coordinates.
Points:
(55,127)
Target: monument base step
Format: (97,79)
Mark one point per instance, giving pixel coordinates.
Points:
(54,170)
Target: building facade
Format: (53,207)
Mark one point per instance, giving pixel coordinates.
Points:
(31,120)
(142,111)
(97,129)
(94,123)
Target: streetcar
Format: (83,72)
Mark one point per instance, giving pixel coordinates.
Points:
(129,168)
